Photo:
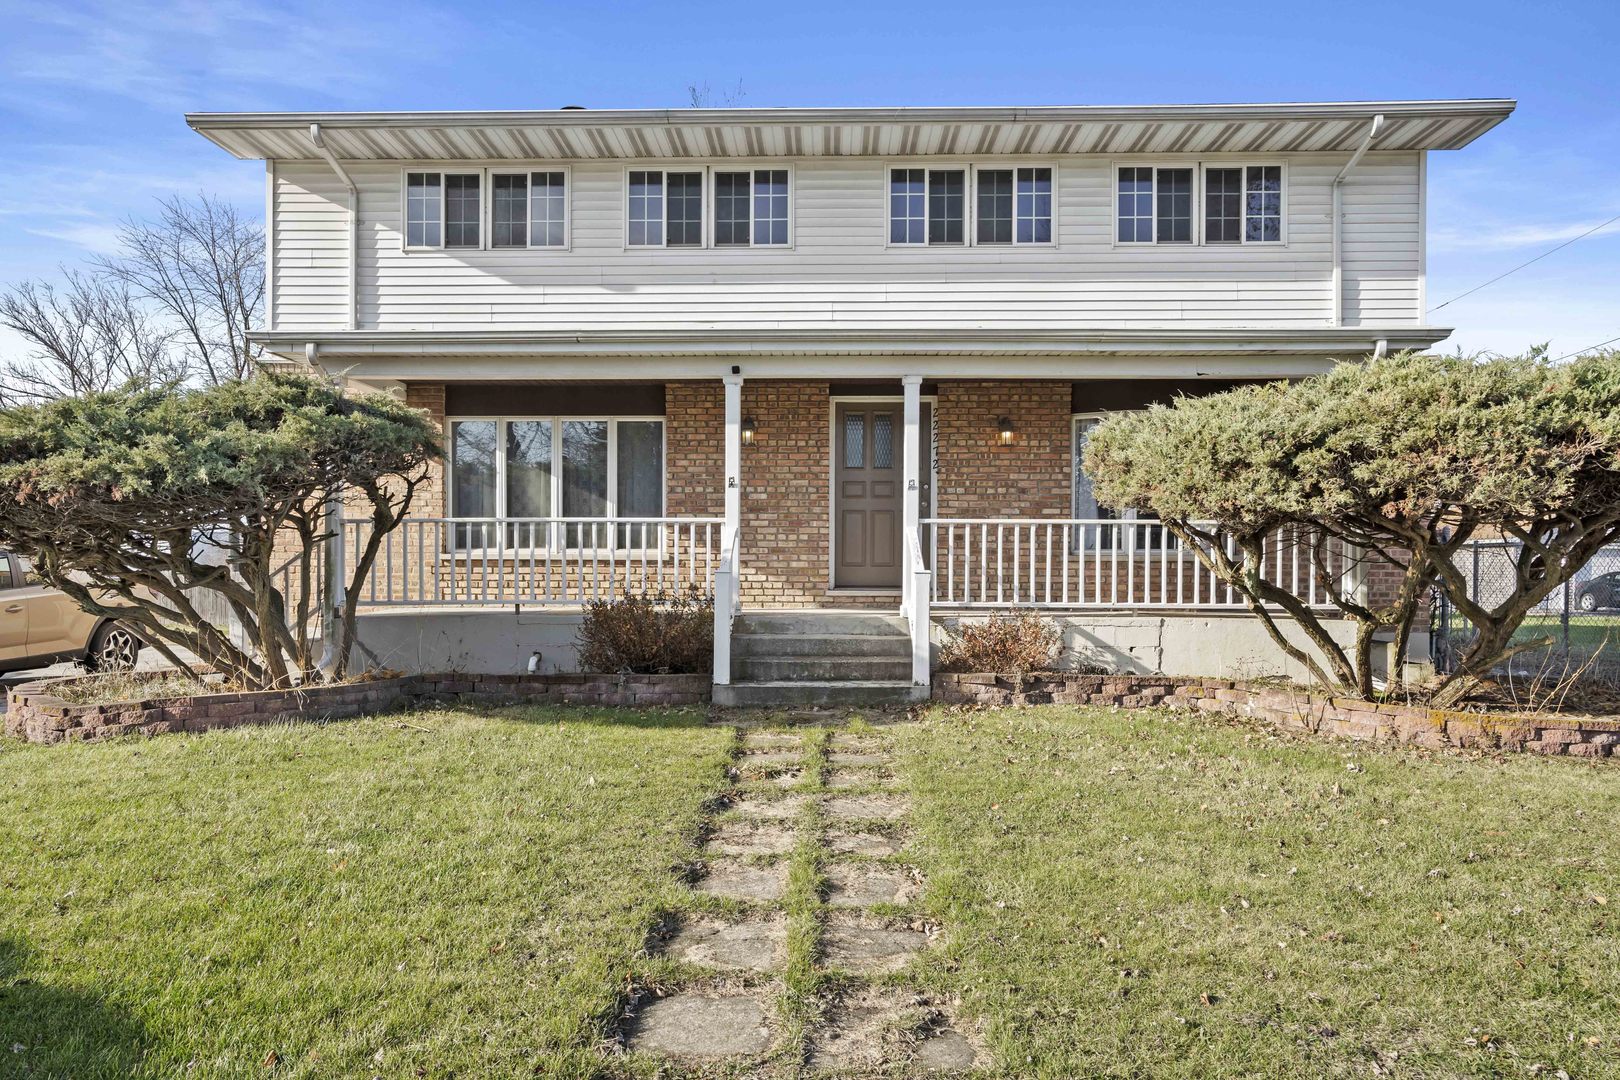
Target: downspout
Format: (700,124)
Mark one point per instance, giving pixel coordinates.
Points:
(1338,217)
(354,219)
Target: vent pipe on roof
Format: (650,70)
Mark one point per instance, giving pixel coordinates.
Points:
(331,160)
(1338,217)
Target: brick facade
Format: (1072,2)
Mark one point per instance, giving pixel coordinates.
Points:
(978,476)
(429,397)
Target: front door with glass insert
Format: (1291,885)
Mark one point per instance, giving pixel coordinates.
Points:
(869,492)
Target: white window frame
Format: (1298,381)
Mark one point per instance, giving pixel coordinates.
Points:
(529,171)
(556,422)
(1195,226)
(442,170)
(712,220)
(1200,168)
(927,167)
(970,209)
(707,169)
(973,205)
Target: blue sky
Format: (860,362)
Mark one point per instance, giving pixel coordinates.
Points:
(91,97)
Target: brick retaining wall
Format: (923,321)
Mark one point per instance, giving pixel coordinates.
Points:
(35,714)
(1299,710)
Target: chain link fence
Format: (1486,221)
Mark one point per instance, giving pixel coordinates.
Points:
(1581,619)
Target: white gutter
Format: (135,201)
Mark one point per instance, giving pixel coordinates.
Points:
(354,221)
(1338,217)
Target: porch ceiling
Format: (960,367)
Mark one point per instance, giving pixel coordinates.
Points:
(658,355)
(768,133)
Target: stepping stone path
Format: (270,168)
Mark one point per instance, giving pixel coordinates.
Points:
(750,945)
(864,1027)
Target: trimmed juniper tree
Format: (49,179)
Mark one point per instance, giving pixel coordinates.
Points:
(1409,458)
(143,504)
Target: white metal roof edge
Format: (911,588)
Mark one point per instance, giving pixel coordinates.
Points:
(1330,110)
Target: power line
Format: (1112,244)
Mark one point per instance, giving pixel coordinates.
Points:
(1589,348)
(1522,265)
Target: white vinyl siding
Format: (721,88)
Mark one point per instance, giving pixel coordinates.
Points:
(841,272)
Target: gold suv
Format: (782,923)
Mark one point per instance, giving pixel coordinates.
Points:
(40,626)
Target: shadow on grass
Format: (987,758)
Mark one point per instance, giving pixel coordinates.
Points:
(52,1032)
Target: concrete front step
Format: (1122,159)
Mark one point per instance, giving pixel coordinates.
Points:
(761,694)
(822,669)
(814,623)
(774,646)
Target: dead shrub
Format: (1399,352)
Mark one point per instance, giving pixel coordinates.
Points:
(648,635)
(1012,644)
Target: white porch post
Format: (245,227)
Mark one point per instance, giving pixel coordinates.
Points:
(911,460)
(725,576)
(733,452)
(914,579)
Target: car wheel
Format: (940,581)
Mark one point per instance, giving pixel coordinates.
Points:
(114,648)
(1587,602)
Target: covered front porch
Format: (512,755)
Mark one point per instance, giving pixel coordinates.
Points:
(928,498)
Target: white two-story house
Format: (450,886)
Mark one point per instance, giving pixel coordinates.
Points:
(828,358)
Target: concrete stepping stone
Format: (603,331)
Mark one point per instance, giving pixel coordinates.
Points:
(878,1029)
(846,758)
(738,838)
(771,740)
(946,1051)
(869,948)
(856,744)
(773,808)
(702,1025)
(763,758)
(851,885)
(867,808)
(738,945)
(787,779)
(732,880)
(858,778)
(863,843)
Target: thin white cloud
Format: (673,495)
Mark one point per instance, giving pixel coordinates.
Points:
(189,54)
(1507,237)
(96,238)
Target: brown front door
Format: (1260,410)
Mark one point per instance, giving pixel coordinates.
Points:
(868,492)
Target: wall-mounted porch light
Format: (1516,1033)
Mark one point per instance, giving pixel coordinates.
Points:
(1004,430)
(749,430)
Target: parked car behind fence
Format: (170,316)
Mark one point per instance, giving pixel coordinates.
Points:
(41,626)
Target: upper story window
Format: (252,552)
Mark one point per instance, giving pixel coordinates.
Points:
(928,207)
(751,208)
(666,208)
(1241,204)
(528,209)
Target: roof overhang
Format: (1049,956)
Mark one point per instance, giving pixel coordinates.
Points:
(526,355)
(767,133)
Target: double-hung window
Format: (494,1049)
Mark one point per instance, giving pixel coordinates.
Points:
(528,209)
(927,206)
(443,209)
(1240,204)
(750,208)
(664,208)
(1155,206)
(1014,206)
(531,470)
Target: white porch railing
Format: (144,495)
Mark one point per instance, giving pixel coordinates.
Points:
(727,602)
(916,592)
(1093,563)
(536,561)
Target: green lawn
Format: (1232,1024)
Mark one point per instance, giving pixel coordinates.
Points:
(441,894)
(1153,894)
